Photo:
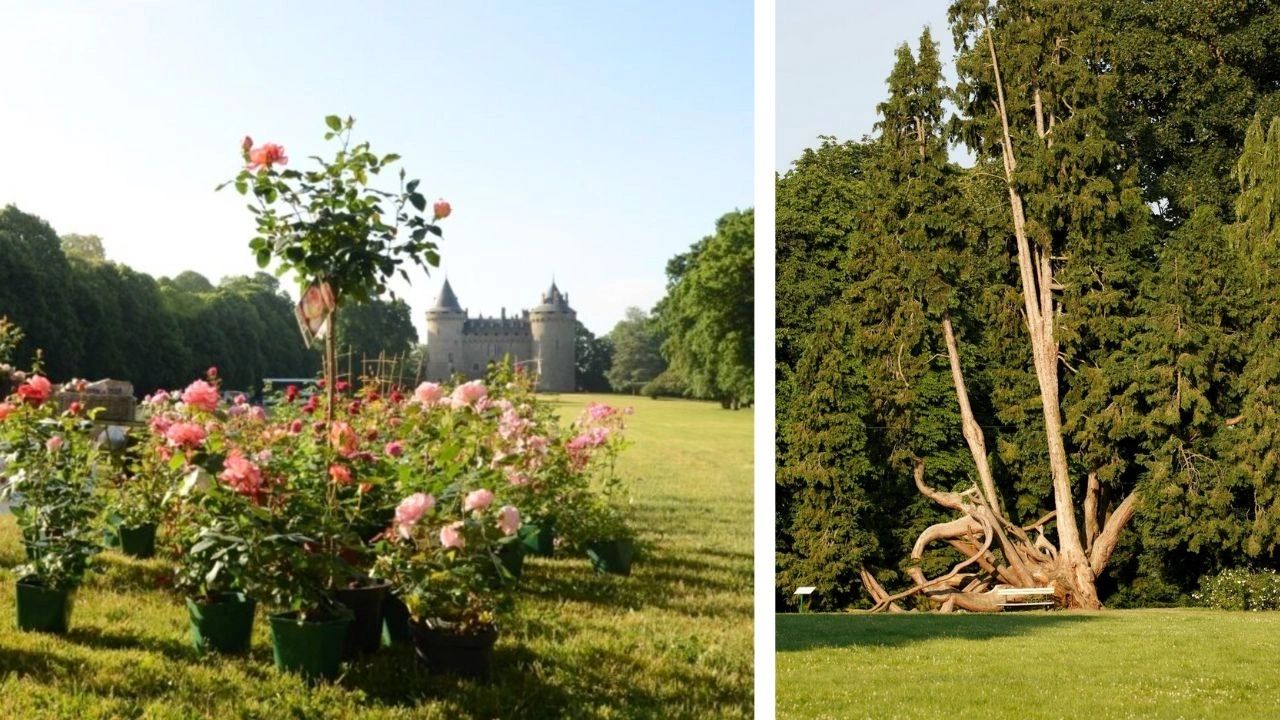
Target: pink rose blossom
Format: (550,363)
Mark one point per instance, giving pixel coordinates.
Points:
(468,393)
(411,509)
(241,475)
(186,434)
(451,536)
(258,413)
(509,519)
(35,390)
(440,210)
(395,448)
(340,474)
(5,410)
(202,395)
(344,439)
(159,398)
(428,394)
(517,479)
(54,444)
(477,500)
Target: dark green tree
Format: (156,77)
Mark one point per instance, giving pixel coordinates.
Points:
(594,357)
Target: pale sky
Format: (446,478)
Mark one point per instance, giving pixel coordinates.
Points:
(833,59)
(587,140)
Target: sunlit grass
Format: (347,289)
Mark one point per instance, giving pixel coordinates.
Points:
(1181,663)
(674,640)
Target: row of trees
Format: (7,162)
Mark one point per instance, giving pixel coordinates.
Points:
(698,340)
(93,318)
(1058,366)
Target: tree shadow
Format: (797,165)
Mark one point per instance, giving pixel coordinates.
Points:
(807,632)
(96,637)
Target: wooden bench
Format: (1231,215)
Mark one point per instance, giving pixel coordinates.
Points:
(1005,595)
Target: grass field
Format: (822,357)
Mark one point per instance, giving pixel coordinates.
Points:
(673,640)
(1182,663)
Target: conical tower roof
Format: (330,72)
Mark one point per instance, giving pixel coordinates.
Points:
(554,300)
(446,301)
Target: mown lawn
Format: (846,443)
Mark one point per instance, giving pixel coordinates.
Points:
(1181,663)
(673,640)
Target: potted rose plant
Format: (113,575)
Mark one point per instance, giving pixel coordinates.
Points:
(136,499)
(51,459)
(599,527)
(344,239)
(443,556)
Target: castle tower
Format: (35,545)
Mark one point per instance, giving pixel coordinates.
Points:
(445,321)
(554,327)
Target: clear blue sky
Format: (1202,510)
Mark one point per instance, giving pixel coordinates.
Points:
(833,58)
(592,140)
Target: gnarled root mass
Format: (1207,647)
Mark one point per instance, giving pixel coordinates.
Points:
(997,554)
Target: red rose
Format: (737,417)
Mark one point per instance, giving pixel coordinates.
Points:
(35,390)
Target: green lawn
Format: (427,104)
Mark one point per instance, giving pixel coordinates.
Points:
(674,640)
(1182,663)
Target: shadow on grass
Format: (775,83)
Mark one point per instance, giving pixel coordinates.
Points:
(677,584)
(807,632)
(95,637)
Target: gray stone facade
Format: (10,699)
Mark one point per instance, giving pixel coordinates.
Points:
(540,340)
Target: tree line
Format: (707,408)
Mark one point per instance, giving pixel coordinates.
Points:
(92,318)
(698,340)
(1059,363)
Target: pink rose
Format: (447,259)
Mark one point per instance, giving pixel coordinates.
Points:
(340,474)
(186,434)
(201,395)
(35,390)
(54,444)
(509,519)
(258,413)
(451,536)
(411,509)
(517,479)
(466,394)
(344,439)
(395,448)
(441,210)
(5,409)
(267,155)
(428,393)
(477,500)
(241,475)
(159,398)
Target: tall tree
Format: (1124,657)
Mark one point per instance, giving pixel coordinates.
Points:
(377,326)
(637,356)
(708,314)
(85,247)
(594,356)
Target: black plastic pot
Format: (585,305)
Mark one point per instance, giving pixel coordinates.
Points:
(42,609)
(312,649)
(441,650)
(224,625)
(539,537)
(139,542)
(395,622)
(364,634)
(612,556)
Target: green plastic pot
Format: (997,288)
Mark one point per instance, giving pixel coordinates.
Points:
(313,649)
(441,650)
(224,625)
(512,557)
(539,537)
(612,556)
(42,609)
(364,634)
(139,542)
(395,622)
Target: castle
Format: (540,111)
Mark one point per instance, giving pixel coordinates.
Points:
(541,340)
